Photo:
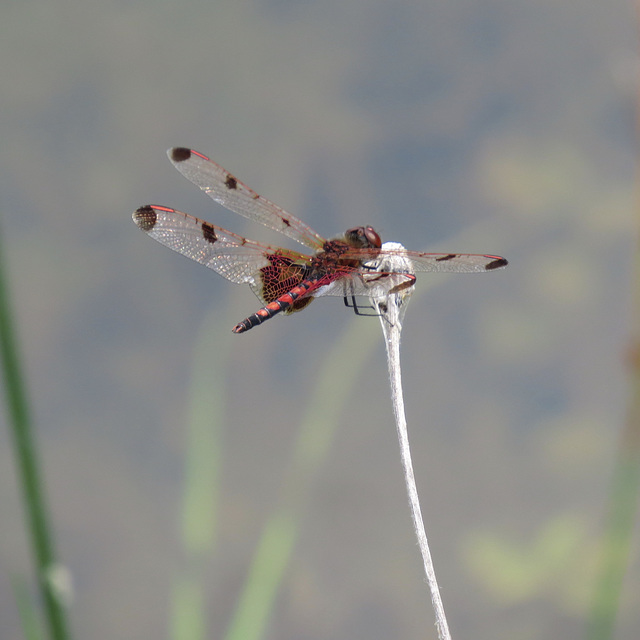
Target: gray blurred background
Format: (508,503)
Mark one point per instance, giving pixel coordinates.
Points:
(486,126)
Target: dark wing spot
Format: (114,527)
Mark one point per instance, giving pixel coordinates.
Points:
(498,263)
(299,304)
(208,233)
(145,218)
(231,182)
(449,256)
(180,154)
(286,221)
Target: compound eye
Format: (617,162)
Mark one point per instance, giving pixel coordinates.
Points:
(373,239)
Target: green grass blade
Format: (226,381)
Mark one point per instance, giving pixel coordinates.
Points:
(188,620)
(20,425)
(616,547)
(202,470)
(617,542)
(29,616)
(338,375)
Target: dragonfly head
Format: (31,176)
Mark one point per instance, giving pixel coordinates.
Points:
(363,238)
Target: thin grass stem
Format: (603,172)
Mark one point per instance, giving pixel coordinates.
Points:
(20,424)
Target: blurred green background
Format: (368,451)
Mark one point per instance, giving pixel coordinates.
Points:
(486,126)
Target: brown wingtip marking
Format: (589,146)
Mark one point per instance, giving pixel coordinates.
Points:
(145,217)
(286,221)
(498,263)
(180,154)
(209,233)
(231,182)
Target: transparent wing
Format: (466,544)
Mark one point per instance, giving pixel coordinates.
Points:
(392,268)
(434,262)
(228,191)
(454,262)
(237,259)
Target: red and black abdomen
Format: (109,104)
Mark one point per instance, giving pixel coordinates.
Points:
(290,301)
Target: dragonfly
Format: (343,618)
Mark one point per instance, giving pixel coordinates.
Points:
(284,280)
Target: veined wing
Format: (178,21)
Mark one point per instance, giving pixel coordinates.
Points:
(454,262)
(369,280)
(237,259)
(434,262)
(228,191)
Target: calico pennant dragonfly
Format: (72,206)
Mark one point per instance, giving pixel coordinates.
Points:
(286,280)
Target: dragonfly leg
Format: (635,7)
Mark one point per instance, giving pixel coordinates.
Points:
(351,303)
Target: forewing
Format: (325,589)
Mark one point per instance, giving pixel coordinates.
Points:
(382,271)
(454,262)
(434,262)
(228,191)
(232,256)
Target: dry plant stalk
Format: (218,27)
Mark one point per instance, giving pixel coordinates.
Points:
(392,307)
